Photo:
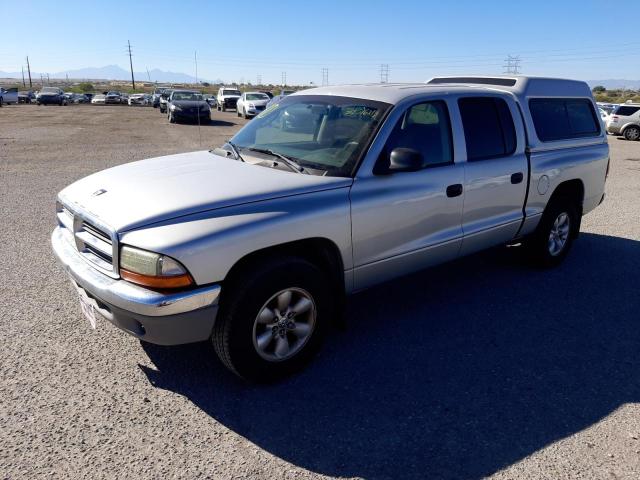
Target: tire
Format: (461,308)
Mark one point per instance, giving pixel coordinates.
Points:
(171,118)
(259,289)
(552,240)
(632,133)
(0,101)
(238,113)
(224,107)
(244,115)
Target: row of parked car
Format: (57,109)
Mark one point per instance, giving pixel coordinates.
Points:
(171,101)
(621,119)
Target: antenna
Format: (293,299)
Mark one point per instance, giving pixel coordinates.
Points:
(195,59)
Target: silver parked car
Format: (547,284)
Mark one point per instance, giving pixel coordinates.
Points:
(625,121)
(256,244)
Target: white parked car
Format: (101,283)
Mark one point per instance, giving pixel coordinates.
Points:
(99,99)
(252,103)
(137,99)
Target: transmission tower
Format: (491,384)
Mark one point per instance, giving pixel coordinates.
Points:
(512,65)
(284,79)
(384,73)
(259,80)
(325,77)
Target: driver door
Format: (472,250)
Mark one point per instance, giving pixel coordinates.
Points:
(405,221)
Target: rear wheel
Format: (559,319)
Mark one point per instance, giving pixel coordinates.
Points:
(552,240)
(273,320)
(632,133)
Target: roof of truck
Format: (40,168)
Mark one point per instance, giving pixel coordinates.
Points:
(520,86)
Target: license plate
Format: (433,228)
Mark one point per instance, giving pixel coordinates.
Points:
(88,311)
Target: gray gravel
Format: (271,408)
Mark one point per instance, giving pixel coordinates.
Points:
(482,367)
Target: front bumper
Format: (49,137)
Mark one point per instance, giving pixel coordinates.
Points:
(191,116)
(160,318)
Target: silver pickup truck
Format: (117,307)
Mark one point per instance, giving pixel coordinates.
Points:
(255,245)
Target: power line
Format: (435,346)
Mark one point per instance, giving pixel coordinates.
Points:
(512,65)
(133,81)
(384,73)
(325,77)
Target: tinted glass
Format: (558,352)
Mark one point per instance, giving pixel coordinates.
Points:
(563,118)
(425,128)
(488,127)
(626,111)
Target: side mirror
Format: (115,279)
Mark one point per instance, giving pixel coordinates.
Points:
(405,160)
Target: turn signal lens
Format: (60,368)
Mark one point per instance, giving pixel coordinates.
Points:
(152,269)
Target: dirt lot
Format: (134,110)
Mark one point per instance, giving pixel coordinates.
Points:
(483,367)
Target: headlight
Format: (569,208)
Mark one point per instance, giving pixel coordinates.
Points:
(174,107)
(152,269)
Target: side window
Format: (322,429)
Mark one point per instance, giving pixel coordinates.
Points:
(425,127)
(625,111)
(488,127)
(563,118)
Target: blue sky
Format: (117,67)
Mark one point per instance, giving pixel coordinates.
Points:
(417,39)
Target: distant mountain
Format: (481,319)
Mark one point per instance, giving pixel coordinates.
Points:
(613,84)
(113,72)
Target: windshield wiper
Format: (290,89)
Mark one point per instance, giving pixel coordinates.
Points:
(235,151)
(292,164)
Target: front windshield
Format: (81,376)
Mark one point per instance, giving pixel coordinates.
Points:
(257,96)
(49,90)
(325,135)
(189,96)
(231,92)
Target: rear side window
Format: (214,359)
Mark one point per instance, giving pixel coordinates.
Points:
(626,111)
(563,118)
(488,127)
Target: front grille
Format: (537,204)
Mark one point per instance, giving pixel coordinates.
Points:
(94,243)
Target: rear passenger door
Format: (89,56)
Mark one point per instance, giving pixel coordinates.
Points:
(496,171)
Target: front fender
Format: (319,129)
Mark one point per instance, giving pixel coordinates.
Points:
(208,244)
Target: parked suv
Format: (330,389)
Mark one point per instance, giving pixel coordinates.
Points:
(256,244)
(227,98)
(625,120)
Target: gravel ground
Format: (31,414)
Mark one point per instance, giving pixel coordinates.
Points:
(479,368)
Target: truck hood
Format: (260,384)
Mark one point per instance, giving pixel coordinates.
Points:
(140,193)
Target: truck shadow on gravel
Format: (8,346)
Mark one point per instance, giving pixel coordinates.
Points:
(456,372)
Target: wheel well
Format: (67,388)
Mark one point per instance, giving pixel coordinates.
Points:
(572,190)
(319,251)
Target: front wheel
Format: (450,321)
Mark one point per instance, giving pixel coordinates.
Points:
(632,133)
(272,321)
(172,119)
(552,240)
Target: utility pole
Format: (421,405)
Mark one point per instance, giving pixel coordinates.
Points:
(384,73)
(133,81)
(325,77)
(29,70)
(67,77)
(284,79)
(512,65)
(48,80)
(148,75)
(259,80)
(23,83)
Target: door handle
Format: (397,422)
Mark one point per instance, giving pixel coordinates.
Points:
(454,190)
(517,177)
